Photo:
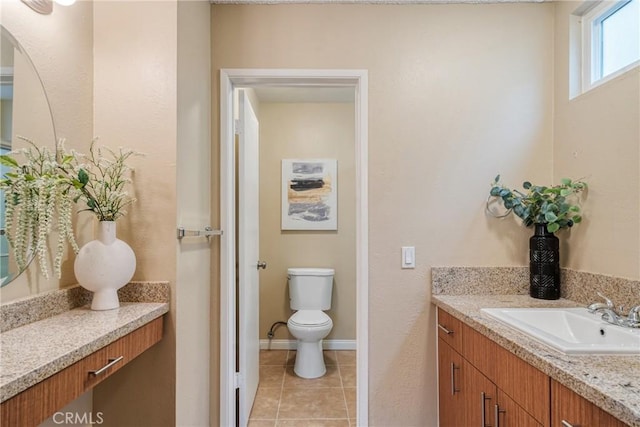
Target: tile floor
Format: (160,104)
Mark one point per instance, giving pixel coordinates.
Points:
(286,400)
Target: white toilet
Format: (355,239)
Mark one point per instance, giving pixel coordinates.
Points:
(310,293)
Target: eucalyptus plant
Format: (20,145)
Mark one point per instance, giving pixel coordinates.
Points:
(554,206)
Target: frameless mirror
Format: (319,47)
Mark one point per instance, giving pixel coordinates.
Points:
(24,111)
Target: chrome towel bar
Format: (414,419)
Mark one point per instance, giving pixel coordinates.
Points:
(207,232)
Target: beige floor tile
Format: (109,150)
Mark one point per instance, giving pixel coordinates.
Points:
(291,358)
(261,423)
(313,423)
(346,357)
(265,405)
(330,357)
(298,403)
(273,357)
(271,376)
(350,397)
(353,422)
(330,379)
(348,374)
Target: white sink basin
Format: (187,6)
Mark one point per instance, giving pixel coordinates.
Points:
(570,330)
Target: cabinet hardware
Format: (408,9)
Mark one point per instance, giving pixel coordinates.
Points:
(453,379)
(498,412)
(446,331)
(566,423)
(484,413)
(107,366)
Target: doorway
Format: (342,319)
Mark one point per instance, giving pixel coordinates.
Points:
(230,381)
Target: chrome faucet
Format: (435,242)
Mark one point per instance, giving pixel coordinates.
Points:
(598,306)
(610,315)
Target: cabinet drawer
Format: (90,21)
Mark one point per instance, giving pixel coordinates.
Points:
(480,351)
(39,402)
(450,330)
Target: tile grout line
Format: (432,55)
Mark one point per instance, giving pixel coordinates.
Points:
(284,373)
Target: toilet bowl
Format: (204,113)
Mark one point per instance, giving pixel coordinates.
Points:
(309,327)
(310,291)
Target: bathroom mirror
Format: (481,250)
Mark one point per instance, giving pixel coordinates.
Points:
(24,111)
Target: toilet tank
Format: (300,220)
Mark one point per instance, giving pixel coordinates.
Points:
(310,288)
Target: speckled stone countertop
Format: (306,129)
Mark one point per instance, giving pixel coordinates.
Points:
(45,333)
(611,382)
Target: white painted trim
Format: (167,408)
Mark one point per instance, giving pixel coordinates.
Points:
(227,255)
(302,77)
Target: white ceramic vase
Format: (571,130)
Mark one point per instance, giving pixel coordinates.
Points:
(105,265)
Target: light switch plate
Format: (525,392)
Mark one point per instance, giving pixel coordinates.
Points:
(408,257)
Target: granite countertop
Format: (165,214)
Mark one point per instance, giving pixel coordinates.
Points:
(611,382)
(34,352)
(45,333)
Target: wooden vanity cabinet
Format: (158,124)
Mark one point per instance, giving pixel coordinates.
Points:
(570,409)
(492,386)
(42,400)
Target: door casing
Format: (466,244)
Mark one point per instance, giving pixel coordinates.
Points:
(229,79)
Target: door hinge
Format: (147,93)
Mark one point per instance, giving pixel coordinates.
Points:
(238,380)
(236,126)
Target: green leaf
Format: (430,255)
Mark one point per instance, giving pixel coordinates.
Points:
(67,159)
(565,181)
(526,185)
(497,178)
(565,192)
(8,161)
(575,208)
(495,191)
(550,217)
(577,219)
(552,227)
(83,177)
(504,192)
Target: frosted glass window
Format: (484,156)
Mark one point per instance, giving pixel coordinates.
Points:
(620,38)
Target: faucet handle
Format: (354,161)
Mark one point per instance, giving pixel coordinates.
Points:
(634,314)
(606,300)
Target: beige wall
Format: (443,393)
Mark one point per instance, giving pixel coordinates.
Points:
(60,47)
(135,62)
(299,131)
(457,93)
(597,137)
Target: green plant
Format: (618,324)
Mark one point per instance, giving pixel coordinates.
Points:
(101,180)
(38,195)
(554,206)
(40,192)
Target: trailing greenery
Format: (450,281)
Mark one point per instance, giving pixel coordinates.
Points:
(37,193)
(554,206)
(44,187)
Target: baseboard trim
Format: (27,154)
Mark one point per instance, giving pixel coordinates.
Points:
(291,344)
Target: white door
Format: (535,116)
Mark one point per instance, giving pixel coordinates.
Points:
(248,244)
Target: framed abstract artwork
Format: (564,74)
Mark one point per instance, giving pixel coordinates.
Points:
(309,194)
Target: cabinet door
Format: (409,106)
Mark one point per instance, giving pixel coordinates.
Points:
(480,397)
(523,383)
(450,386)
(508,413)
(571,409)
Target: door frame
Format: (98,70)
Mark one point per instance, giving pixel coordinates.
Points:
(229,79)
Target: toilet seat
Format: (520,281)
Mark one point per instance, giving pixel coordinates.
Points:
(310,318)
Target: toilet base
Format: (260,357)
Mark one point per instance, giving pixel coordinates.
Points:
(309,360)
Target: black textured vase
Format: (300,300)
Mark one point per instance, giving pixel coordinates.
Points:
(544,264)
